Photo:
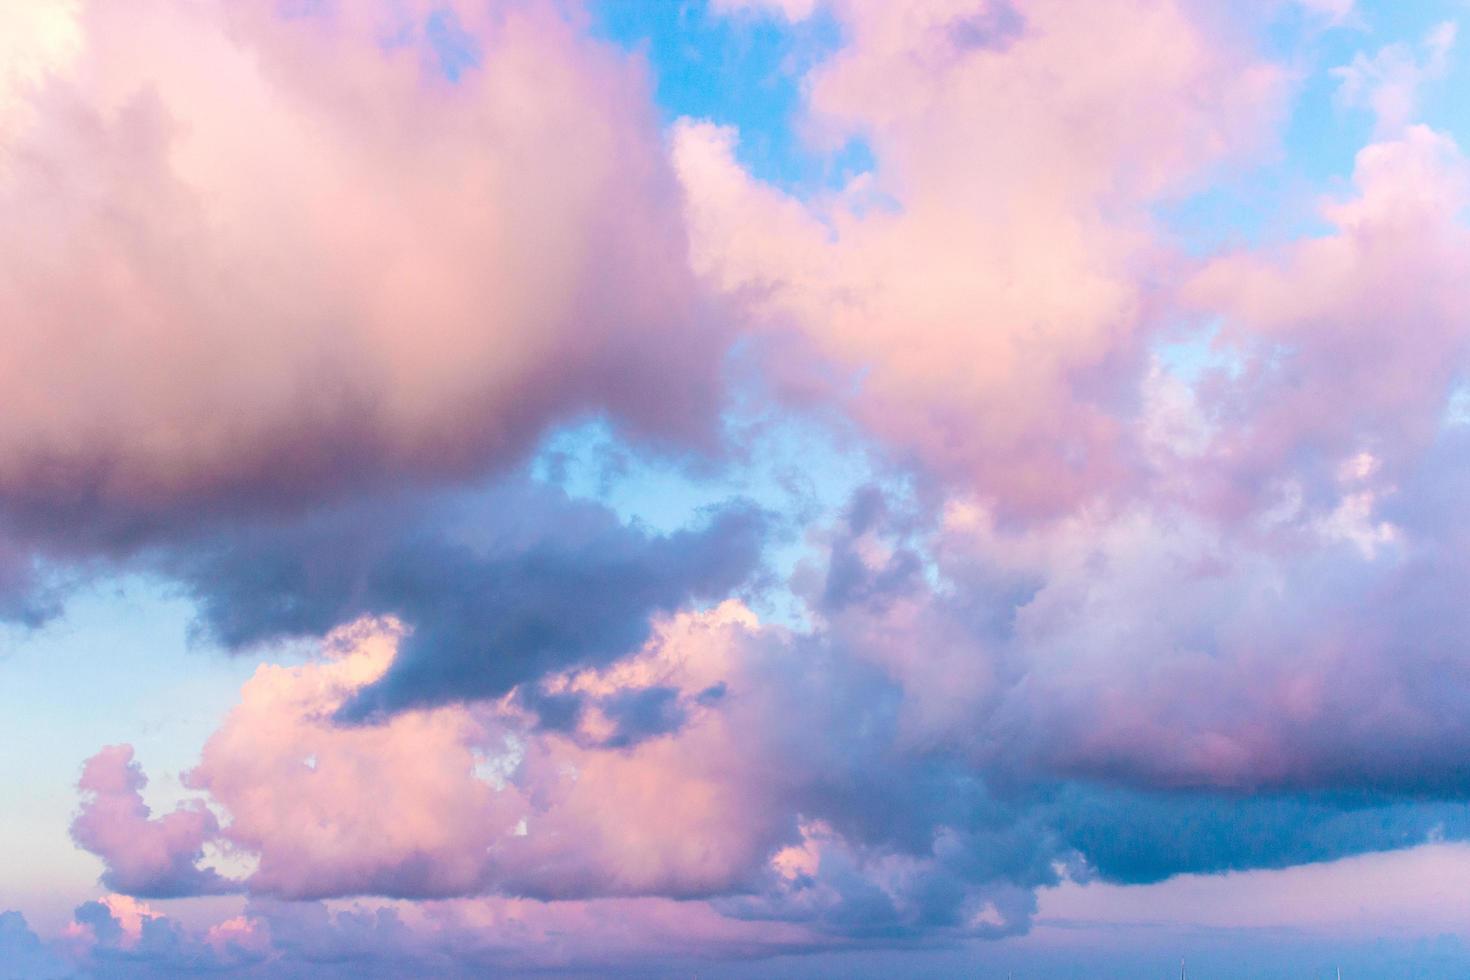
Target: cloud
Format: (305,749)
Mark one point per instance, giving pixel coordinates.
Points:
(1322,365)
(144,856)
(478,801)
(233,285)
(499,585)
(814,780)
(1389,82)
(984,296)
(1142,837)
(42,39)
(389,809)
(661,789)
(24,955)
(1157,650)
(116,937)
(1122,570)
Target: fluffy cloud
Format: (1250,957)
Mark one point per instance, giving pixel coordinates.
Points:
(256,258)
(385,809)
(1346,343)
(258,315)
(464,800)
(1135,571)
(145,856)
(1157,649)
(987,289)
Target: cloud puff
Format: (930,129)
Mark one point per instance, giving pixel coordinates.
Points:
(255,260)
(258,313)
(1157,649)
(465,799)
(144,856)
(383,809)
(1342,343)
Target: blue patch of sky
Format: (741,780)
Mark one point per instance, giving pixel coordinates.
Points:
(457,50)
(1457,407)
(117,667)
(743,69)
(1274,196)
(1189,354)
(801,469)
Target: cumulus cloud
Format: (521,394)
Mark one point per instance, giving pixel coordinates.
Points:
(144,856)
(1199,578)
(1156,649)
(984,293)
(779,749)
(253,261)
(1341,344)
(258,317)
(475,800)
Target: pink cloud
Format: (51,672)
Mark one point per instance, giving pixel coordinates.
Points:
(989,287)
(480,799)
(392,808)
(462,799)
(144,855)
(260,259)
(1348,342)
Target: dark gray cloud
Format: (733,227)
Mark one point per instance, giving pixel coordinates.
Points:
(498,587)
(1139,837)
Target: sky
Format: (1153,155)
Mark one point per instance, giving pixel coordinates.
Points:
(734,488)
